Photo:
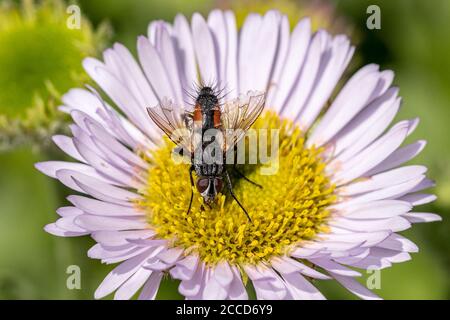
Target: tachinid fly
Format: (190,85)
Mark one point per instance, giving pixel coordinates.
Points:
(230,120)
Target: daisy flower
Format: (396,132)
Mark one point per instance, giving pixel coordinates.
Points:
(334,209)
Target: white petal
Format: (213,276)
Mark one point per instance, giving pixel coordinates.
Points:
(186,268)
(84,101)
(335,268)
(280,61)
(119,238)
(368,239)
(213,290)
(257,49)
(231,76)
(66,144)
(267,283)
(68,223)
(418,199)
(237,290)
(419,217)
(376,112)
(218,30)
(104,167)
(154,69)
(97,188)
(119,275)
(332,245)
(50,168)
(303,252)
(102,208)
(151,287)
(391,192)
(333,63)
(371,133)
(223,274)
(300,288)
(373,154)
(97,223)
(393,224)
(309,73)
(377,210)
(398,243)
(359,91)
(298,47)
(120,94)
(169,59)
(353,257)
(193,286)
(55,230)
(205,50)
(132,285)
(100,135)
(69,211)
(356,288)
(185,52)
(170,256)
(142,89)
(399,157)
(287,265)
(383,180)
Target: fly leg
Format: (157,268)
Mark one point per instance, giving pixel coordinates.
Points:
(230,187)
(192,186)
(240,174)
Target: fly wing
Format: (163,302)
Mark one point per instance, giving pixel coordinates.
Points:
(175,121)
(239,115)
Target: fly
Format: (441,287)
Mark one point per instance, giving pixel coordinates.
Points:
(180,126)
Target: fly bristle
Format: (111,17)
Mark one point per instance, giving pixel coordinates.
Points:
(208,93)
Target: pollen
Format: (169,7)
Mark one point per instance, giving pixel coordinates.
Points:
(291,207)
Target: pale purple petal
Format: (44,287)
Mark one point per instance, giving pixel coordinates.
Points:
(185,52)
(55,230)
(365,85)
(151,287)
(132,285)
(118,238)
(98,223)
(102,208)
(119,275)
(334,267)
(237,290)
(206,53)
(399,157)
(356,288)
(416,217)
(381,209)
(300,288)
(373,154)
(298,47)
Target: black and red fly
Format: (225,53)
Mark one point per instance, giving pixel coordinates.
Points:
(209,114)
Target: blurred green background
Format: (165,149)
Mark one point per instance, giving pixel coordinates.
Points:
(413,41)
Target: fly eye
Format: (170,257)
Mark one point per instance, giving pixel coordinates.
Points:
(218,183)
(202,185)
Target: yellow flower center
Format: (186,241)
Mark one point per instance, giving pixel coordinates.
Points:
(290,208)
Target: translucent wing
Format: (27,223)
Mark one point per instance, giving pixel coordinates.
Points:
(240,114)
(175,121)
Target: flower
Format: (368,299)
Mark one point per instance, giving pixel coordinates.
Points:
(336,205)
(40,57)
